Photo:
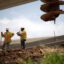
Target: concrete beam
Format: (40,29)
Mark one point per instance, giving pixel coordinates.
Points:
(11,3)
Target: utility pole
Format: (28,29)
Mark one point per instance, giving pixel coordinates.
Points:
(1,27)
(54,36)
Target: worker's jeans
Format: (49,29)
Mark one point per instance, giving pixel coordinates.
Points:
(23,43)
(7,44)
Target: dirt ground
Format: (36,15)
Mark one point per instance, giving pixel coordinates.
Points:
(11,57)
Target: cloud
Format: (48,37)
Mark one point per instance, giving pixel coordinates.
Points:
(4,21)
(34,29)
(59,28)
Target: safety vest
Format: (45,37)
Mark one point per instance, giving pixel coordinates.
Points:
(23,35)
(7,37)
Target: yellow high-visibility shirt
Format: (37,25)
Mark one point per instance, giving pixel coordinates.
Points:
(7,37)
(23,35)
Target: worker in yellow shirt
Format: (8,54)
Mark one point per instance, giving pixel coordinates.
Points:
(7,38)
(23,37)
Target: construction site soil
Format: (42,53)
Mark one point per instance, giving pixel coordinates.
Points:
(12,56)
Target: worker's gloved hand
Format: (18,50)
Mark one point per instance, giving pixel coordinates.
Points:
(17,33)
(12,35)
(1,33)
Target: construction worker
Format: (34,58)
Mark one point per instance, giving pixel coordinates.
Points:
(23,37)
(7,38)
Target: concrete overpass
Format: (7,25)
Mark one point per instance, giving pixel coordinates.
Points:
(11,3)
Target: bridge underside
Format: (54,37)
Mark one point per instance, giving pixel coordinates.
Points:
(11,3)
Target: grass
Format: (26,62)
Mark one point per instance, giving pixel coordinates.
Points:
(48,58)
(53,58)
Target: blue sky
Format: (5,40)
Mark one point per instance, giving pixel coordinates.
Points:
(28,16)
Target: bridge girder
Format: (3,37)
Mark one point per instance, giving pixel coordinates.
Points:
(11,3)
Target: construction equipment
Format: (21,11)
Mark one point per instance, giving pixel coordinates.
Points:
(52,9)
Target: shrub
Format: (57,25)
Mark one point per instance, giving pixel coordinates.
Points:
(48,58)
(53,58)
